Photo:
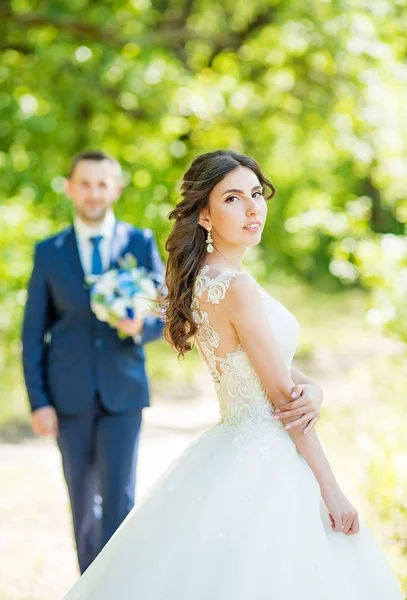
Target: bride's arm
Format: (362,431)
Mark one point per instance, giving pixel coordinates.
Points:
(247,315)
(304,409)
(299,377)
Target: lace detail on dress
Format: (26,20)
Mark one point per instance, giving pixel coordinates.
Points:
(216,286)
(246,411)
(207,337)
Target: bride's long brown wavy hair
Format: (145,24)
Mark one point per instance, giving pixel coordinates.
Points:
(186,244)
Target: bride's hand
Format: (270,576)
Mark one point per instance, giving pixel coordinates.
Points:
(305,408)
(343,515)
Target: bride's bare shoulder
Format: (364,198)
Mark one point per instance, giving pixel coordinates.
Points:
(243,291)
(242,284)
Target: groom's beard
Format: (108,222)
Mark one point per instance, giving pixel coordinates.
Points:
(92,212)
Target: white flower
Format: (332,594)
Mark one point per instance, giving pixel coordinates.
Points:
(148,288)
(101,312)
(107,283)
(118,308)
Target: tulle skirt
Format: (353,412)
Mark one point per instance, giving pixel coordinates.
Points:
(233,519)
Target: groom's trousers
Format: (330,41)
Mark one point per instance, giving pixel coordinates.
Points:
(99,457)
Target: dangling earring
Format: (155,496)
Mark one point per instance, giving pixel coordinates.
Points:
(209,241)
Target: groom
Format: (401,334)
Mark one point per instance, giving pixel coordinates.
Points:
(86,386)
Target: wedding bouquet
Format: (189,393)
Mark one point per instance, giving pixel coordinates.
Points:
(122,292)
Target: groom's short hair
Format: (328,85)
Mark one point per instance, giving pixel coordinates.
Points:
(96,155)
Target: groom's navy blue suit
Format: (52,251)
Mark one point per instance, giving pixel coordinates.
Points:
(96,381)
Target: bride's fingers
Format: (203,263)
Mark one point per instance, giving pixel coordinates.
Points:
(305,407)
(336,522)
(347,523)
(289,414)
(338,526)
(311,424)
(302,421)
(355,526)
(331,518)
(293,404)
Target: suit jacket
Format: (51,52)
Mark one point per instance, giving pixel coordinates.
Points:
(68,355)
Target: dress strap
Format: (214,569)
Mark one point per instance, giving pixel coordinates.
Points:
(207,338)
(216,287)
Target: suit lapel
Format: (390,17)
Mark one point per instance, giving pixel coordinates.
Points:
(70,255)
(120,242)
(70,246)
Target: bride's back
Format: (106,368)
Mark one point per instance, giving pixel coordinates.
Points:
(216,337)
(242,397)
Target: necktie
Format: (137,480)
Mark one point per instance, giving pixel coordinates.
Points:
(97,266)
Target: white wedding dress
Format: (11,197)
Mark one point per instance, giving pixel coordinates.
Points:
(238,516)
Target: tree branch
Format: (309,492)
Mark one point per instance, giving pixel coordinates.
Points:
(169,36)
(73,26)
(382,219)
(18,47)
(235,41)
(113,94)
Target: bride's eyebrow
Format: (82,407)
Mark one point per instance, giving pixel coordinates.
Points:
(257,187)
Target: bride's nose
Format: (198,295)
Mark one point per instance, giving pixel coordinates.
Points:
(252,207)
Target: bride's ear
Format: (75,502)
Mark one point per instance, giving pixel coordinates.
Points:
(204,219)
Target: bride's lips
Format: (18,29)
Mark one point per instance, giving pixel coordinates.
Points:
(253,226)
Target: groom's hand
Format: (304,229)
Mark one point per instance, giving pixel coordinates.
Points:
(44,421)
(131,327)
(304,409)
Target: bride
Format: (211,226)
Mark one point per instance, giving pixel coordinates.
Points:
(252,509)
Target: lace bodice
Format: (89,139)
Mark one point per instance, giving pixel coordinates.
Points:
(242,397)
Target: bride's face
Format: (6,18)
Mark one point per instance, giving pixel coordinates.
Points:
(237,210)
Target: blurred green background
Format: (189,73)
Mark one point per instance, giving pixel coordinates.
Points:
(316,91)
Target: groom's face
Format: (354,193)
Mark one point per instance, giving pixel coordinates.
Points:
(93,188)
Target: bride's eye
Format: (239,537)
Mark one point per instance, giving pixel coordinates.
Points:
(231,198)
(259,193)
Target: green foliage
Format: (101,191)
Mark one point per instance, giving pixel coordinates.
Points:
(382,263)
(388,489)
(155,85)
(386,461)
(315,91)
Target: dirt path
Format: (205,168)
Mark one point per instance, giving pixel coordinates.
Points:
(37,560)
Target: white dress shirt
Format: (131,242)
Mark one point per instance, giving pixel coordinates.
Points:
(83,234)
